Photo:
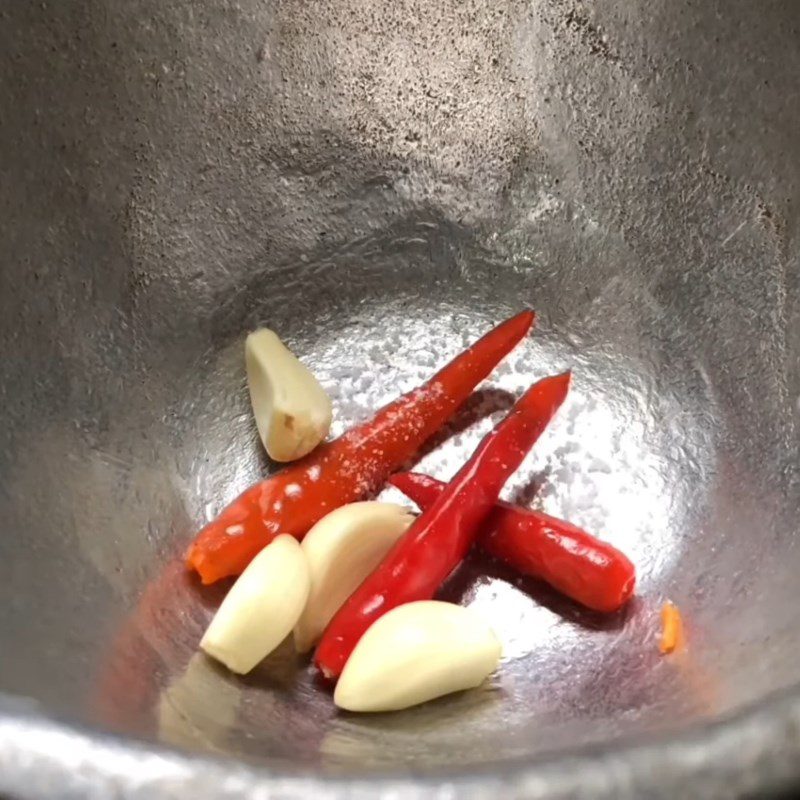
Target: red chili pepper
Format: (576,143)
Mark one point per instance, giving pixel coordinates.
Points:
(349,467)
(571,560)
(440,537)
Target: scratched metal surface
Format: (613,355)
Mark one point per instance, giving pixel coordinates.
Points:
(380,181)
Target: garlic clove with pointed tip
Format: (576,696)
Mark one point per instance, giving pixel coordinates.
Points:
(261,608)
(341,550)
(414,653)
(293,413)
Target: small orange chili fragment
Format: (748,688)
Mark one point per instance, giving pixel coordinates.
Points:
(671,629)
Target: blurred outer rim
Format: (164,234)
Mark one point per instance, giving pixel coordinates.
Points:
(754,752)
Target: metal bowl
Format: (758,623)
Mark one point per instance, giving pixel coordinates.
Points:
(380,181)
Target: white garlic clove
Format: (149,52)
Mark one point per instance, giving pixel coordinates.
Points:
(293,412)
(341,550)
(261,608)
(414,653)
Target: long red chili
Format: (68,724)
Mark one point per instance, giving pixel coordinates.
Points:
(349,467)
(571,560)
(441,536)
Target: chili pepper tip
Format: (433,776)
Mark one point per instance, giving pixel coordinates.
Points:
(528,314)
(560,384)
(523,322)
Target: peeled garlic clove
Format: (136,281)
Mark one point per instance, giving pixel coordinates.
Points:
(261,608)
(293,413)
(414,653)
(341,550)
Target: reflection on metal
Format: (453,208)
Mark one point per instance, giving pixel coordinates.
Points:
(203,691)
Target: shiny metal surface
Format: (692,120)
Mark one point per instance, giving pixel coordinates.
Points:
(379,182)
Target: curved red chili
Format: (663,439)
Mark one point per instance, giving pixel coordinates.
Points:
(350,467)
(592,572)
(441,536)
